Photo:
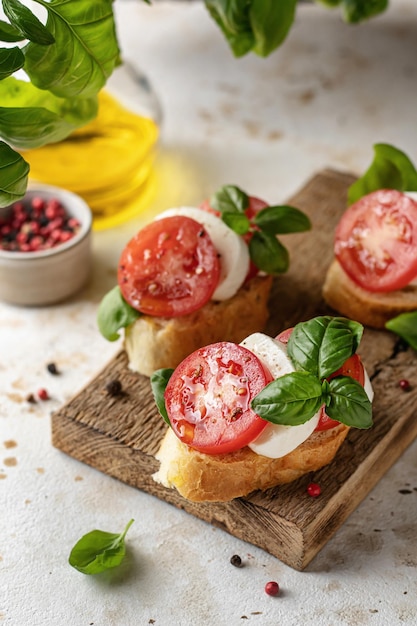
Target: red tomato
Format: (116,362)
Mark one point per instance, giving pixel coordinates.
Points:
(209,394)
(255,205)
(376,241)
(352,367)
(169,268)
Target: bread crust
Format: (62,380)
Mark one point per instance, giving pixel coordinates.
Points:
(203,478)
(368,308)
(152,343)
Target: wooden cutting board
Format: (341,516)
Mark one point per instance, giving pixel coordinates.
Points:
(120,435)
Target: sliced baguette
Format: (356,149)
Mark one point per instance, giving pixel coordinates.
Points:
(152,343)
(368,308)
(202,478)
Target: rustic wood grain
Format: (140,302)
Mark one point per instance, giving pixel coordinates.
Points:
(120,435)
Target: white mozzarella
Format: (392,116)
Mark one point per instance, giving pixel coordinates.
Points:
(275,440)
(233,251)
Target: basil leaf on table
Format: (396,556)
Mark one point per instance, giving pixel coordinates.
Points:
(230,199)
(355,11)
(14,175)
(321,345)
(238,222)
(390,169)
(98,551)
(280,220)
(114,313)
(348,403)
(159,381)
(405,326)
(270,23)
(268,254)
(291,399)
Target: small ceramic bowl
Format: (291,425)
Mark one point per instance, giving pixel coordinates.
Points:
(44,277)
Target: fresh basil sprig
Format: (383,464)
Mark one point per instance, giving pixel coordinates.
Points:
(265,249)
(405,326)
(159,381)
(317,349)
(390,169)
(98,551)
(114,313)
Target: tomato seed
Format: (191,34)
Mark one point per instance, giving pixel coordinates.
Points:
(405,385)
(313,490)
(272,588)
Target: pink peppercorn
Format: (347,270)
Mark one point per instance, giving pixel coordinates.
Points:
(405,385)
(272,588)
(313,490)
(43,394)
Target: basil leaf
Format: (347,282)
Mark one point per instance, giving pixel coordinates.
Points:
(230,199)
(115,313)
(14,175)
(355,11)
(348,403)
(11,60)
(9,34)
(279,220)
(268,254)
(321,345)
(23,20)
(98,551)
(290,400)
(159,381)
(232,17)
(270,22)
(405,326)
(86,49)
(238,222)
(390,169)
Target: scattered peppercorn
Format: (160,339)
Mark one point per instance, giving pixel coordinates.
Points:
(36,225)
(31,399)
(52,369)
(43,394)
(114,387)
(272,588)
(313,490)
(405,385)
(236,560)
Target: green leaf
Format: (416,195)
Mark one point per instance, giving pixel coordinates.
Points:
(405,326)
(31,117)
(11,60)
(23,20)
(348,403)
(98,551)
(114,313)
(14,173)
(268,254)
(355,11)
(321,345)
(290,400)
(280,220)
(238,222)
(9,34)
(270,21)
(230,199)
(85,51)
(232,17)
(390,169)
(159,381)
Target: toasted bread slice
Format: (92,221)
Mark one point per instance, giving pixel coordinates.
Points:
(368,308)
(152,343)
(204,478)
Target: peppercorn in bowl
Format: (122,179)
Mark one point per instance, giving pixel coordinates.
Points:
(45,247)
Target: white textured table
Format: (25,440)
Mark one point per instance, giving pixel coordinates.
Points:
(322,100)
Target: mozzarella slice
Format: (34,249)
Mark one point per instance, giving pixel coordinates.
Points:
(276,440)
(234,253)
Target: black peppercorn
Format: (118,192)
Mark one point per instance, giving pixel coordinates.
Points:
(114,387)
(52,369)
(236,561)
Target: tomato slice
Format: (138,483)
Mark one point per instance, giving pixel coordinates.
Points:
(255,205)
(209,394)
(376,241)
(352,367)
(169,268)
